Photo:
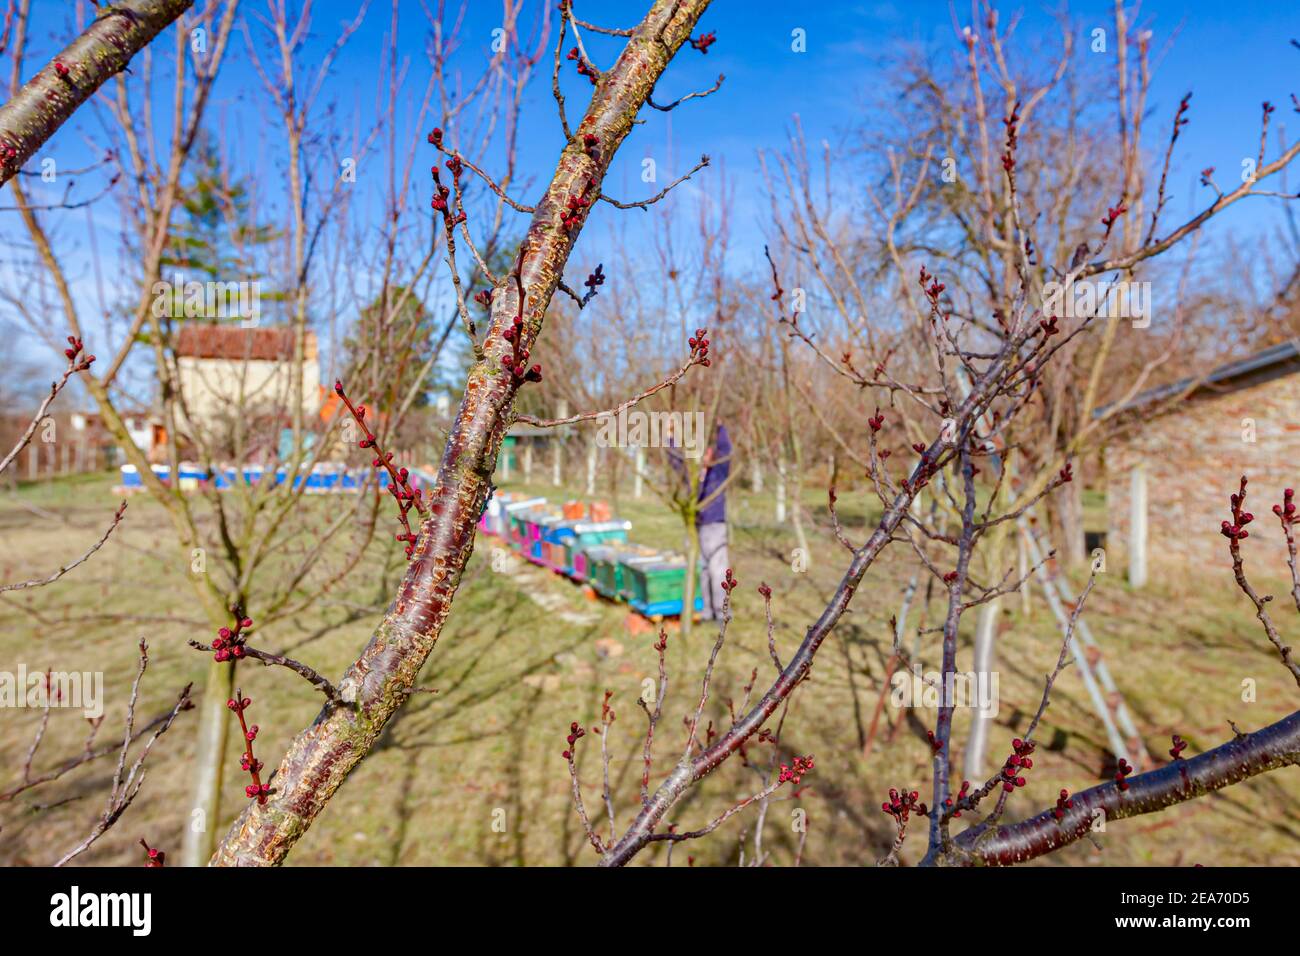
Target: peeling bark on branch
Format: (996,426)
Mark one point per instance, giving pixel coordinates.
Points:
(321,757)
(49,98)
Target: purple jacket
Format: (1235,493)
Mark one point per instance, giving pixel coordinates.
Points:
(715,476)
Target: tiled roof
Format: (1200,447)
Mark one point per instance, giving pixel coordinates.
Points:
(235,343)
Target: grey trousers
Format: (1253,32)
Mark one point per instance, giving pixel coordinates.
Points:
(713,549)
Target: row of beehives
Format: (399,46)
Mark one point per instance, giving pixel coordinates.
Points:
(586,543)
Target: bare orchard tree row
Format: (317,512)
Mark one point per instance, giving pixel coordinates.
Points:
(960,387)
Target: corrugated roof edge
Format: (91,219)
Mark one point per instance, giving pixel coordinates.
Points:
(1267,358)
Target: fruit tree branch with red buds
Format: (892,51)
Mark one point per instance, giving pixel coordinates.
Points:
(645,204)
(516,360)
(448,202)
(49,98)
(592,284)
(77,362)
(1073,817)
(320,758)
(1286,515)
(399,485)
(791,773)
(988,384)
(699,355)
(154,858)
(1011,775)
(231,644)
(1245,756)
(1235,531)
(248,762)
(436,140)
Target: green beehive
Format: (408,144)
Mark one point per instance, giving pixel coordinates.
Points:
(659,581)
(601,532)
(602,570)
(605,567)
(627,560)
(587,535)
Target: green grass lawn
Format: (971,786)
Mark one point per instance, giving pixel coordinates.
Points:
(473,774)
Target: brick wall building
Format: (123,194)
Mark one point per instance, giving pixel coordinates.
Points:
(1183,450)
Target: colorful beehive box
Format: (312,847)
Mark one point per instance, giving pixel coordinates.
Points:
(516,532)
(513,514)
(494,517)
(553,555)
(613,574)
(658,587)
(590,561)
(554,539)
(590,534)
(515,528)
(575,553)
(541,527)
(601,570)
(580,560)
(523,526)
(601,532)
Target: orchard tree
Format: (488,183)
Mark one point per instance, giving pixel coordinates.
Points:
(939,388)
(380,681)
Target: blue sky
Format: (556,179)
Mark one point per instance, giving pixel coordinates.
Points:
(1231,56)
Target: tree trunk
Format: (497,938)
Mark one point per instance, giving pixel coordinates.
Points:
(780,491)
(49,98)
(321,757)
(986,633)
(209,765)
(688,588)
(1068,500)
(796,514)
